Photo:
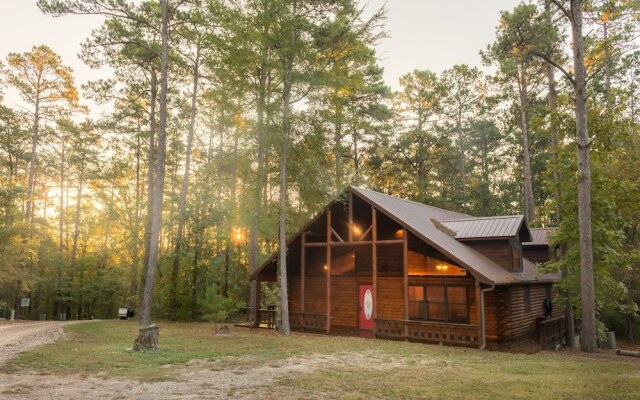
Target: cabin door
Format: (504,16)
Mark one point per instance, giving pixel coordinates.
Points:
(366,307)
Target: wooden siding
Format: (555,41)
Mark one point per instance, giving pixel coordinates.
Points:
(344,297)
(390,298)
(497,251)
(494,303)
(315,292)
(344,300)
(518,324)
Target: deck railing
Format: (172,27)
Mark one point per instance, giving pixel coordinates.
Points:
(426,331)
(308,321)
(551,331)
(266,318)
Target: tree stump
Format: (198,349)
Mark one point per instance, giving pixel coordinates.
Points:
(147,339)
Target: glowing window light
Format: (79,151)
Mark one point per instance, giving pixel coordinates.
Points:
(356,229)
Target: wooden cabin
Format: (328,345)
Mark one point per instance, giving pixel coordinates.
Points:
(373,264)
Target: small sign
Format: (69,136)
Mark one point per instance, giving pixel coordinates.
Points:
(25,301)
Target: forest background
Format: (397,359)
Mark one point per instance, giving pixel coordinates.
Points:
(236,103)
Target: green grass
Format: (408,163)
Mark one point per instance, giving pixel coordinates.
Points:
(354,369)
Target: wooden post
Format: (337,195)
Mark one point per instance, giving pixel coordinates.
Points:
(328,271)
(478,319)
(405,272)
(350,216)
(374,265)
(302,270)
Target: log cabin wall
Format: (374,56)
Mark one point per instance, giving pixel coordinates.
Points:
(344,300)
(315,299)
(515,319)
(390,298)
(495,302)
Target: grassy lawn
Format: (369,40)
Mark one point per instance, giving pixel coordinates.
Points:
(350,368)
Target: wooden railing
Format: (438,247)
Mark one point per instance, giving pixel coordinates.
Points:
(267,318)
(308,321)
(551,331)
(425,331)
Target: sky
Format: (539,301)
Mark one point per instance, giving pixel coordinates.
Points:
(424,34)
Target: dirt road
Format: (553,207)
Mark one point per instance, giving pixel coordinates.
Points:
(19,336)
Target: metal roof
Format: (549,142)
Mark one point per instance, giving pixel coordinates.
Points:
(539,237)
(421,220)
(484,228)
(417,218)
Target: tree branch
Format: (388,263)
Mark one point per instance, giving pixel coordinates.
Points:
(556,65)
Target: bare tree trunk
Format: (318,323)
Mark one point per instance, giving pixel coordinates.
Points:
(589,334)
(150,177)
(257,209)
(557,179)
(282,239)
(35,137)
(607,66)
(356,159)
(60,234)
(133,289)
(61,218)
(337,142)
(173,301)
(463,172)
(76,228)
(144,341)
(529,207)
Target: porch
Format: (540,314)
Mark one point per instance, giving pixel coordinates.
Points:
(354,250)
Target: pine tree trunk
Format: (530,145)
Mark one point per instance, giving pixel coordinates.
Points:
(589,334)
(133,288)
(463,167)
(337,141)
(76,229)
(257,209)
(35,137)
(60,236)
(173,301)
(529,207)
(356,159)
(149,340)
(150,177)
(282,239)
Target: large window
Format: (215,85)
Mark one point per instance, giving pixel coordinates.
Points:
(438,303)
(421,265)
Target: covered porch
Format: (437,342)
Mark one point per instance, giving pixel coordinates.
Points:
(357,270)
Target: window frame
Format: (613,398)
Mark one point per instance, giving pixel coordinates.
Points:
(424,303)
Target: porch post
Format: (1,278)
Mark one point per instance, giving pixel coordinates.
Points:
(350,216)
(302,270)
(328,271)
(374,265)
(405,272)
(478,311)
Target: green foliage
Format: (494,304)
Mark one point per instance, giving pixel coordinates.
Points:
(452,139)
